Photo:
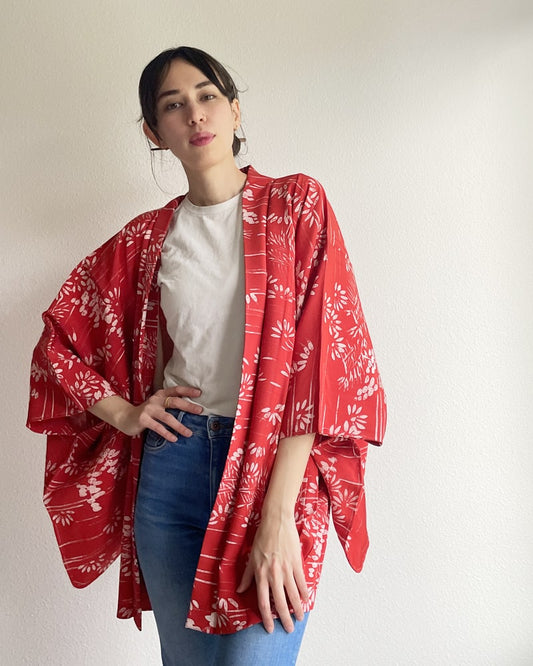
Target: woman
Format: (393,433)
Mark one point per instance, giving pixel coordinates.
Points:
(218,484)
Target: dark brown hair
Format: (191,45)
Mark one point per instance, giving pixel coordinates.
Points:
(157,69)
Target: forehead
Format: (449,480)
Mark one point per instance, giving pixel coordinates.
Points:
(182,75)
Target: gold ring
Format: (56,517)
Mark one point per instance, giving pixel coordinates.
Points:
(166,401)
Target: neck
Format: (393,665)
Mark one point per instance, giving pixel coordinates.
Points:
(215,184)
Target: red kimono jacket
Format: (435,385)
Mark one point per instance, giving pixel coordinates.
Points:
(308,367)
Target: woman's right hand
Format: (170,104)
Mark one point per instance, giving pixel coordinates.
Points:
(133,419)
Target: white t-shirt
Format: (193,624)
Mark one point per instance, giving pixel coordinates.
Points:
(202,297)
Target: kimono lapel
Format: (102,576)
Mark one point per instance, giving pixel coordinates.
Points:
(146,306)
(147,302)
(254,242)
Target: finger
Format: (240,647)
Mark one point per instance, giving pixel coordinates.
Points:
(280,602)
(246,580)
(164,432)
(299,578)
(176,398)
(160,429)
(170,422)
(263,603)
(180,403)
(294,597)
(167,426)
(186,405)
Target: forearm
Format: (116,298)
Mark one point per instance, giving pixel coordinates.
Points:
(287,475)
(152,413)
(275,560)
(114,410)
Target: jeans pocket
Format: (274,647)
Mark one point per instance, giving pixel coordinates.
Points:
(154,442)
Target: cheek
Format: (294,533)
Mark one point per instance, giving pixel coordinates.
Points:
(169,128)
(230,121)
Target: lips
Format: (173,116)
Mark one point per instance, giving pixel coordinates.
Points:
(201,138)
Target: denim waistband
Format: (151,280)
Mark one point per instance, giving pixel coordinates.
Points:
(211,423)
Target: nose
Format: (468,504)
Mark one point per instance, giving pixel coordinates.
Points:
(196,114)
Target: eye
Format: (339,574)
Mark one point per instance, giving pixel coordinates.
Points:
(173,105)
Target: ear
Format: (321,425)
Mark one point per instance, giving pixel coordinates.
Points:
(236,110)
(152,136)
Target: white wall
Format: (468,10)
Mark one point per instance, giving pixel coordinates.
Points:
(416,116)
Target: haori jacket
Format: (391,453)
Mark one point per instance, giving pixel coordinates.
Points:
(308,367)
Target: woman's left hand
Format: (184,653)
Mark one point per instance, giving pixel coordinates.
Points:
(275,563)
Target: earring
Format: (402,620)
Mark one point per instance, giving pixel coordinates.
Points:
(242,139)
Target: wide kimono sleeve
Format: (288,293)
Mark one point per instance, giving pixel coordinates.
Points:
(335,389)
(82,346)
(88,351)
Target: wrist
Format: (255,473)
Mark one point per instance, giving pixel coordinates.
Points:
(116,411)
(277,509)
(123,417)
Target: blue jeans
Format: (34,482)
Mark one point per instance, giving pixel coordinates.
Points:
(177,489)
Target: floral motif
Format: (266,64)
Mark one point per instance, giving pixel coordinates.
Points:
(63,517)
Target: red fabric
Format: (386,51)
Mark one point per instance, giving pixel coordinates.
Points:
(308,367)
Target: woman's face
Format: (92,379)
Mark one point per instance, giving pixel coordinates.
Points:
(194,119)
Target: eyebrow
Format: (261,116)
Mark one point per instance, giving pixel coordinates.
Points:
(167,93)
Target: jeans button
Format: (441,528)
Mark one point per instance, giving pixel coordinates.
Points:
(215,425)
